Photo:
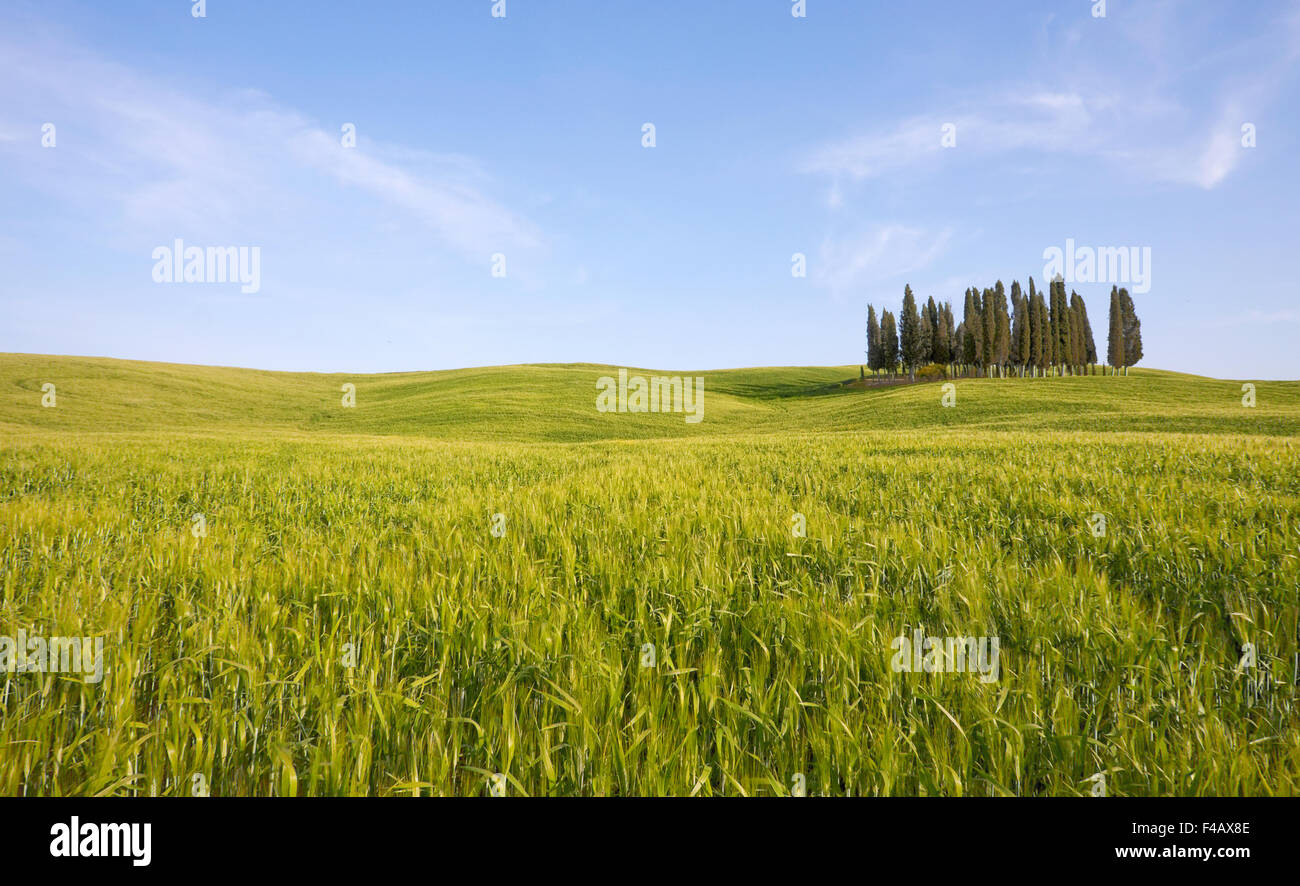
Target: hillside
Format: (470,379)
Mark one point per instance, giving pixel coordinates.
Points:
(556,402)
(298,598)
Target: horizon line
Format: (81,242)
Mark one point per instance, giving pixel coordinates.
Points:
(552,364)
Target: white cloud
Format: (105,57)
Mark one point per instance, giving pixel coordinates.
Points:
(1133,114)
(460,214)
(1043,122)
(1220,155)
(872,155)
(875,256)
(1259,318)
(152,158)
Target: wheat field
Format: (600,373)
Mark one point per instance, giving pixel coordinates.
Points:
(473,583)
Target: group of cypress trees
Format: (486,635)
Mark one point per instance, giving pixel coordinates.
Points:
(1035,334)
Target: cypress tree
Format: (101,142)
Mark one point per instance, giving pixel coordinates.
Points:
(888,342)
(1044,335)
(932,312)
(1002,331)
(1020,334)
(925,342)
(1089,345)
(989,326)
(1054,326)
(1132,331)
(1067,359)
(942,353)
(1070,353)
(1115,346)
(1076,334)
(973,340)
(1035,339)
(1013,349)
(954,350)
(873,340)
(1060,326)
(909,332)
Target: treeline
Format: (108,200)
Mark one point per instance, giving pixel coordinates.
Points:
(1032,334)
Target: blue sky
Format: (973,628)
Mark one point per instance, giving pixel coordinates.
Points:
(522,136)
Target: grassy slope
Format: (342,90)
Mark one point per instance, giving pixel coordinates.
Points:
(520,653)
(557,402)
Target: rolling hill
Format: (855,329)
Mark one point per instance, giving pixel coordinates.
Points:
(556,402)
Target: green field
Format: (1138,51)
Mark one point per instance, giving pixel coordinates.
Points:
(350,623)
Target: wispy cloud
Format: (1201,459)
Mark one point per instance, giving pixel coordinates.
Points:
(1259,318)
(156,158)
(1135,118)
(1056,123)
(460,214)
(875,256)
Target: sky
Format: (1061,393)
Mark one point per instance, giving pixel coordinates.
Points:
(500,204)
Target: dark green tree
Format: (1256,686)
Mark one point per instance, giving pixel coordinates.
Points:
(1115,346)
(942,343)
(873,340)
(954,348)
(1053,326)
(1132,331)
(942,351)
(1002,329)
(1035,340)
(989,326)
(1076,335)
(1020,333)
(973,339)
(1061,346)
(1044,334)
(888,342)
(1089,344)
(925,342)
(932,312)
(909,332)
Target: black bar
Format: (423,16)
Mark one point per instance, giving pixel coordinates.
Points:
(336,836)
